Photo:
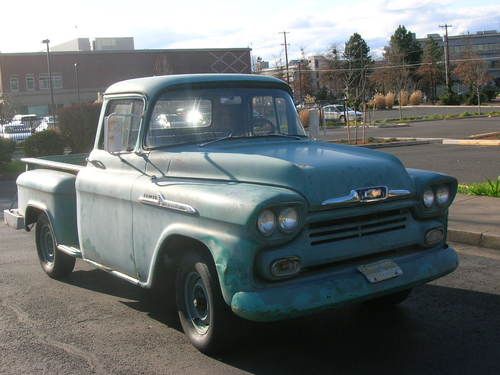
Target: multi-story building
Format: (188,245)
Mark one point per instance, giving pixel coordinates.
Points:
(486,44)
(79,76)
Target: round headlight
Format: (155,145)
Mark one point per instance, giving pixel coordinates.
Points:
(442,195)
(266,222)
(288,219)
(428,198)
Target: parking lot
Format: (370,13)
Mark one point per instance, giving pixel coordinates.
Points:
(94,323)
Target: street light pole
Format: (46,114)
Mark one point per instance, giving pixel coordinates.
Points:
(77,84)
(52,105)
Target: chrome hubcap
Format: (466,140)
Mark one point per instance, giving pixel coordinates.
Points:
(197,303)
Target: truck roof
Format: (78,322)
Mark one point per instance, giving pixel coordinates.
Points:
(153,86)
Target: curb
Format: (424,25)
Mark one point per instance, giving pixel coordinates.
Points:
(395,144)
(472,142)
(491,241)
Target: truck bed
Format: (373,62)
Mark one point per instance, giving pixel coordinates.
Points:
(69,163)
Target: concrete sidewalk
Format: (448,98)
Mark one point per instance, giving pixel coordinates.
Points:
(475,220)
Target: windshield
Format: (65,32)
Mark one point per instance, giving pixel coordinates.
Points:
(201,115)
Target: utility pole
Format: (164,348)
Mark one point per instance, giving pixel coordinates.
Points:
(286,56)
(77,83)
(446,56)
(52,105)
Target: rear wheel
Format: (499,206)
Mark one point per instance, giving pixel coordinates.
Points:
(54,262)
(205,317)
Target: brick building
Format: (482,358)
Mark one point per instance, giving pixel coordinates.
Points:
(24,78)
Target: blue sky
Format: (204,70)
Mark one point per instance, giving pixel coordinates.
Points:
(313,25)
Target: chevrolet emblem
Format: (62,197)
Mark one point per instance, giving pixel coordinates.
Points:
(372,194)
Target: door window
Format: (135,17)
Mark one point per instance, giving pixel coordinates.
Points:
(121,124)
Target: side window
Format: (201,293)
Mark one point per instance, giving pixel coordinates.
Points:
(282,115)
(121,124)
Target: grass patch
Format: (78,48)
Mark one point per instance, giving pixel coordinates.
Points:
(12,168)
(489,188)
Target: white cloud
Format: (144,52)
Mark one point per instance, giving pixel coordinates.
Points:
(313,25)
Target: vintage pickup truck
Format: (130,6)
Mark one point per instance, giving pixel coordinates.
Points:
(208,186)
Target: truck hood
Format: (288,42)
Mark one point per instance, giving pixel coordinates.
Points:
(318,171)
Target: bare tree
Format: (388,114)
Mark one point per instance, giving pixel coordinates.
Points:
(473,72)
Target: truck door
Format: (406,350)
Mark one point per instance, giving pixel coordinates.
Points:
(104,187)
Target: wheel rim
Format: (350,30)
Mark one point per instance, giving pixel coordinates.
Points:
(46,245)
(197,303)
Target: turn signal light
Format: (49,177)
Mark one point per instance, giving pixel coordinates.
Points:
(434,236)
(285,267)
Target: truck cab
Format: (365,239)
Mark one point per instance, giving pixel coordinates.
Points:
(208,188)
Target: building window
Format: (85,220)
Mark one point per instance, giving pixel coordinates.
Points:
(14,83)
(43,81)
(316,64)
(30,82)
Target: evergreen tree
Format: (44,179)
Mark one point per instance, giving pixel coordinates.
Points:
(431,73)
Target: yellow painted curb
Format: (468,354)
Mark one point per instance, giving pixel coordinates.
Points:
(472,142)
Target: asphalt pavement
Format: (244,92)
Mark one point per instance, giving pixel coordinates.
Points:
(95,323)
(456,128)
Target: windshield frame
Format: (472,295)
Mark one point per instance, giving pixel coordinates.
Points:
(264,89)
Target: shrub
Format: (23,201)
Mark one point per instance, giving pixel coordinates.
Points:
(403,97)
(78,125)
(47,142)
(416,97)
(389,100)
(304,117)
(471,98)
(379,101)
(490,91)
(7,148)
(450,98)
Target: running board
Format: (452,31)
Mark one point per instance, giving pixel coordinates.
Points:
(70,250)
(75,252)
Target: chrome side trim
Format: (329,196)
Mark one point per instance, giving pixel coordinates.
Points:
(121,275)
(352,197)
(159,200)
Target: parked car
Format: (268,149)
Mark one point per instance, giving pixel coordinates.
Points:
(336,112)
(48,122)
(16,132)
(231,215)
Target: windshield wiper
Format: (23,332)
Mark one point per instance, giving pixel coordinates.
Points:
(227,136)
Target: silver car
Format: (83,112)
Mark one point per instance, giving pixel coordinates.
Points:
(336,112)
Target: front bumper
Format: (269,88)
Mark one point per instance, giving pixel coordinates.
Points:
(329,289)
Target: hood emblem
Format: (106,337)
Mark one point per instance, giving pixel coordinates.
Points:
(367,195)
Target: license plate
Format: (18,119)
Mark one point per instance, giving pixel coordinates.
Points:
(380,271)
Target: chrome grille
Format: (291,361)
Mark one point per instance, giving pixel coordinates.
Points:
(359,226)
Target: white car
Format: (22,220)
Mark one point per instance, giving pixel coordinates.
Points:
(336,112)
(48,122)
(17,132)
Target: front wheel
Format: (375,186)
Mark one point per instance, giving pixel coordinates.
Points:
(205,317)
(54,262)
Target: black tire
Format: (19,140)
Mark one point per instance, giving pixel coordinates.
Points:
(390,299)
(207,321)
(54,262)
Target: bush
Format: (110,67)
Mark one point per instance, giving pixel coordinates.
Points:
(490,91)
(7,148)
(403,97)
(379,101)
(416,97)
(450,98)
(78,125)
(47,142)
(471,98)
(304,117)
(389,100)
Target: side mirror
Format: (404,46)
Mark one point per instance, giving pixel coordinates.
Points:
(120,132)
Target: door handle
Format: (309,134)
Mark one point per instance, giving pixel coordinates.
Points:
(96,163)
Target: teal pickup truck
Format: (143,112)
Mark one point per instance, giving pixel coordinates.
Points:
(207,187)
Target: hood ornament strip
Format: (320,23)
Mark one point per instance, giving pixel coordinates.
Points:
(367,195)
(160,201)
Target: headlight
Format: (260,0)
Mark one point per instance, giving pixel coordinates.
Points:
(428,198)
(442,195)
(288,219)
(266,222)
